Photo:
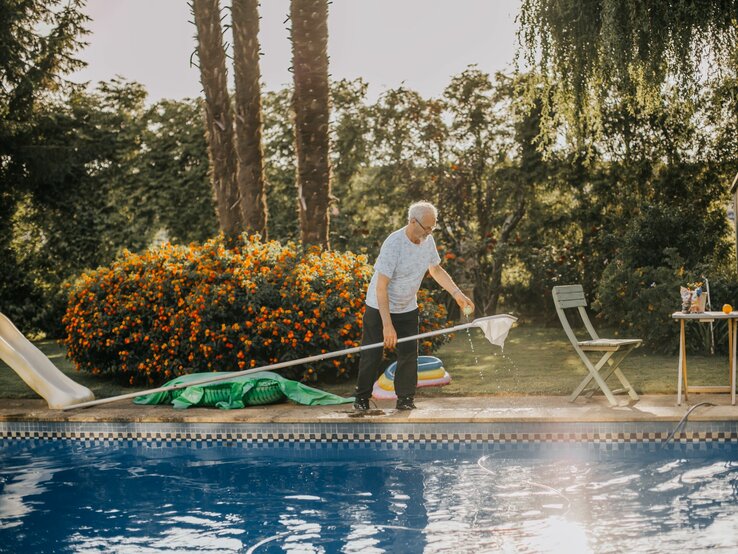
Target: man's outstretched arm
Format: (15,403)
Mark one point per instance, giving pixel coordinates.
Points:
(445,280)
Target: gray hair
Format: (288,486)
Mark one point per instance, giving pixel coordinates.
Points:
(419,209)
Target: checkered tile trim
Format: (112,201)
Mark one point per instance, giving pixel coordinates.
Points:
(362,433)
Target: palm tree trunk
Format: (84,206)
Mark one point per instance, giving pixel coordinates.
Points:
(218,119)
(250,174)
(310,100)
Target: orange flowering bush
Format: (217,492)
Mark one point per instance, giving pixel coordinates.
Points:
(183,309)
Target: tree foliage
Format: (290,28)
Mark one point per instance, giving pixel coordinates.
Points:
(589,51)
(102,173)
(38,44)
(173,170)
(98,172)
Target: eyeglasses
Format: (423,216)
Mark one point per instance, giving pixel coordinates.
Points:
(428,230)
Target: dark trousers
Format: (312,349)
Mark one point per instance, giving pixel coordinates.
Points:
(406,376)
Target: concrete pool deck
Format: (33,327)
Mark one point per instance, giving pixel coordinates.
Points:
(479,409)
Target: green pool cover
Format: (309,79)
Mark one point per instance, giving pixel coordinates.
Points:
(254,389)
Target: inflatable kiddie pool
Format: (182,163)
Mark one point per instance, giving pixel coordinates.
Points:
(430,374)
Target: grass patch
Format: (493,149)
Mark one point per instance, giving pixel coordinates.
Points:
(540,361)
(537,360)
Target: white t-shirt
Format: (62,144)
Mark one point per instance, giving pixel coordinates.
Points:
(405,263)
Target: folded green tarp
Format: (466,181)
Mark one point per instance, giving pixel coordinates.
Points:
(254,389)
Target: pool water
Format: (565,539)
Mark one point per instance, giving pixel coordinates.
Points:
(128,496)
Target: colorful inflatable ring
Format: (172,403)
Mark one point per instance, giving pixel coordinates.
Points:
(430,374)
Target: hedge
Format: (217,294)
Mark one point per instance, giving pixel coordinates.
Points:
(173,310)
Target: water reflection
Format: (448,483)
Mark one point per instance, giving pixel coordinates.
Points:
(19,485)
(367,498)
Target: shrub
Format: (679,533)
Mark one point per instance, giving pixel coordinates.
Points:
(638,302)
(174,310)
(664,247)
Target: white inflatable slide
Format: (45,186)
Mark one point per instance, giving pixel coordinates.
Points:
(37,370)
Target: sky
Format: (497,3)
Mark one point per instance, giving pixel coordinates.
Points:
(420,44)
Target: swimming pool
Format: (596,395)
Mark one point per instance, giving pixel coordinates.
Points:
(144,496)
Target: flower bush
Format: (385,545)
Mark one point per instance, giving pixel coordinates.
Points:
(182,309)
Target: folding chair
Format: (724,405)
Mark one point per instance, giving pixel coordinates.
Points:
(613,351)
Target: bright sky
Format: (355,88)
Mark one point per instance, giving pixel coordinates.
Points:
(418,43)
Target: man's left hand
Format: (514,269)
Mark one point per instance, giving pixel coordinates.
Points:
(465,303)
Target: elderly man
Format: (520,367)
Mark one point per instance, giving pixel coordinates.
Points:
(392,306)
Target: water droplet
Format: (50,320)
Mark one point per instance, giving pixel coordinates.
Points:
(471,344)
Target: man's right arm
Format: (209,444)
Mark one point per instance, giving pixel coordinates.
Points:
(388,330)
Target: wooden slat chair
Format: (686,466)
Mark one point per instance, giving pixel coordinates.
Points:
(613,351)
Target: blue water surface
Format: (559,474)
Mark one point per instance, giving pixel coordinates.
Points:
(128,496)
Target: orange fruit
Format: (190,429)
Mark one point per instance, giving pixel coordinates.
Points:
(727,308)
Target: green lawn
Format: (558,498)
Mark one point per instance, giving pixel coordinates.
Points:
(537,360)
(540,360)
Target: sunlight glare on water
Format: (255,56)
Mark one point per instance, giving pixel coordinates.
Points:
(377,497)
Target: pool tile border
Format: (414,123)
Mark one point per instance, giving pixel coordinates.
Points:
(423,433)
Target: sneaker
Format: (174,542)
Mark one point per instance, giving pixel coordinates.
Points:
(361,404)
(405,403)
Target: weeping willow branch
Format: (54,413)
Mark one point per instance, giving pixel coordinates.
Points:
(589,51)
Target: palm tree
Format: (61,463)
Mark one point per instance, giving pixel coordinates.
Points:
(310,101)
(250,155)
(218,118)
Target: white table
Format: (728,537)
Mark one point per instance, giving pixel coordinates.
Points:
(706,317)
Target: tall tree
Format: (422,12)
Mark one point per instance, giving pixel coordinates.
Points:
(311,105)
(218,117)
(38,44)
(488,188)
(590,50)
(250,174)
(82,198)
